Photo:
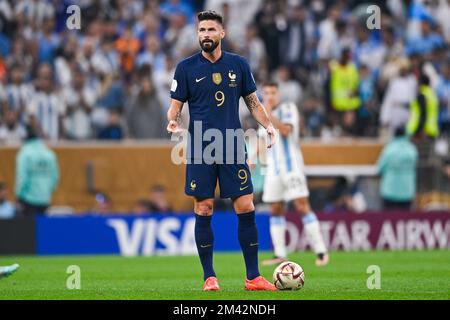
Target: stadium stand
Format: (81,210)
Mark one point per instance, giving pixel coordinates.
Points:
(110,79)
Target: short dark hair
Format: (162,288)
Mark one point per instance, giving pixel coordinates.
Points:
(424,80)
(270,84)
(399,131)
(32,131)
(346,51)
(209,15)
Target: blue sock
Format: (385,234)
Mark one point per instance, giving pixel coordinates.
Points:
(204,239)
(248,238)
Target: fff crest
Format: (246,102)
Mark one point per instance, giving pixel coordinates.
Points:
(232,77)
(217,78)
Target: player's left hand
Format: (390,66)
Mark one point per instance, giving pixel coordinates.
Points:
(251,165)
(173,127)
(272,135)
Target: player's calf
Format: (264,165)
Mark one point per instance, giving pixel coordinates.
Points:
(312,229)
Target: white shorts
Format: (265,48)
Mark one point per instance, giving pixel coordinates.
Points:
(285,187)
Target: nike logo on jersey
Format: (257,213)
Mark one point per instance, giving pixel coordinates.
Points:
(253,244)
(198,80)
(243,188)
(205,245)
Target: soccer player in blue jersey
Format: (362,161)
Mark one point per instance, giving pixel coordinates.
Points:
(212,82)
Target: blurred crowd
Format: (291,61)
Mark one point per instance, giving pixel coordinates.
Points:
(110,79)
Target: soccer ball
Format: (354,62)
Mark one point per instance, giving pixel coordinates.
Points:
(289,276)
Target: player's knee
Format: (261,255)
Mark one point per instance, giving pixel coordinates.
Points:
(204,208)
(277,209)
(244,204)
(244,207)
(302,206)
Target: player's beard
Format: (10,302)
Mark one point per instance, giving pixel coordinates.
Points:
(209,45)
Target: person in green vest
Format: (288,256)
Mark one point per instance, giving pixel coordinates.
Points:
(344,83)
(344,91)
(37,174)
(424,112)
(397,166)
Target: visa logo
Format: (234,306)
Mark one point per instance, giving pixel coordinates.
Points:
(147,237)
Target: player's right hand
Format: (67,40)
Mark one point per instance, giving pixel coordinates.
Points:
(272,135)
(173,127)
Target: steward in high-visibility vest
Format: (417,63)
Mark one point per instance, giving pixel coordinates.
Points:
(424,111)
(344,83)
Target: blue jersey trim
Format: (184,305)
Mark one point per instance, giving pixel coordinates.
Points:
(286,146)
(288,154)
(275,160)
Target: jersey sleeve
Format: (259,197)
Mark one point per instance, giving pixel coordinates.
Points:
(179,87)
(248,81)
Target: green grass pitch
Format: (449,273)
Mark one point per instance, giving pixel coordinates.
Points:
(404,275)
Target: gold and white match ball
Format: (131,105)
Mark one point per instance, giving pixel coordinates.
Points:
(289,276)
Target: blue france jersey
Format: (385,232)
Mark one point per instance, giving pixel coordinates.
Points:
(212,91)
